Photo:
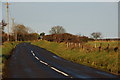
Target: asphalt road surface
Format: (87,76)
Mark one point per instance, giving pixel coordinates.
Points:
(29,61)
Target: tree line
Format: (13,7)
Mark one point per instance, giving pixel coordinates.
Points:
(57,33)
(19,33)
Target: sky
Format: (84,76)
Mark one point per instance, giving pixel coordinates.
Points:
(61,0)
(75,17)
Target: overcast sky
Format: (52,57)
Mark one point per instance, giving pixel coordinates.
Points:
(75,17)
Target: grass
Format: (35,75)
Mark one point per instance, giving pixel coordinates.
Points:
(104,60)
(7,47)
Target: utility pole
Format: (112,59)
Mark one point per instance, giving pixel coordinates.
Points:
(15,32)
(7,18)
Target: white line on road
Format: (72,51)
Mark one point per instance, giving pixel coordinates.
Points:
(44,62)
(37,58)
(53,68)
(59,71)
(33,53)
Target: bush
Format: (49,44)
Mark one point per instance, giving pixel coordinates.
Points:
(66,37)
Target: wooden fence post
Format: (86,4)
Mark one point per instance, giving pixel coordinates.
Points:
(67,44)
(79,44)
(95,45)
(75,44)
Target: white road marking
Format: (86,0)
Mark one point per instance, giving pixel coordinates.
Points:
(33,54)
(44,62)
(55,69)
(31,51)
(59,71)
(37,58)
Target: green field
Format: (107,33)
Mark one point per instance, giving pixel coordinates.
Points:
(103,60)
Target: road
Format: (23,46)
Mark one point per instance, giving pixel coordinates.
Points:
(30,61)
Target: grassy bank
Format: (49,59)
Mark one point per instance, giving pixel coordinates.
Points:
(7,47)
(104,60)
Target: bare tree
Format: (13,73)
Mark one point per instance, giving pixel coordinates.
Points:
(57,30)
(20,29)
(96,35)
(2,26)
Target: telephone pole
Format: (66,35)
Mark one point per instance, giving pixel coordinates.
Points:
(7,19)
(15,32)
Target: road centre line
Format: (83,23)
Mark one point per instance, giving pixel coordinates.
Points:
(44,62)
(37,58)
(59,71)
(53,68)
(33,53)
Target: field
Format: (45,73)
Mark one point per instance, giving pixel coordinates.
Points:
(89,54)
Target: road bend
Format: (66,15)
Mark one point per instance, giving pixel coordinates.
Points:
(30,61)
